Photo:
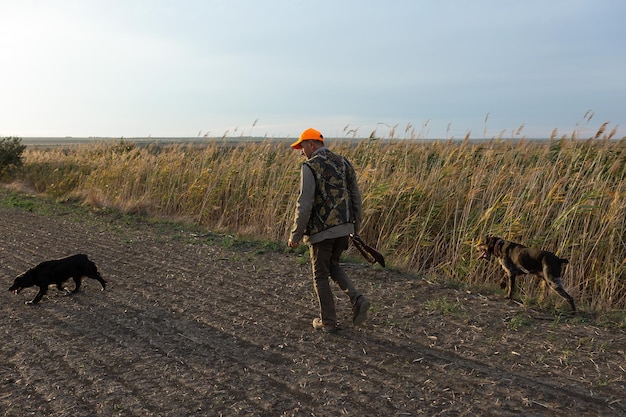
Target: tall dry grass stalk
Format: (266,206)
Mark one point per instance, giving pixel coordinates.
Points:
(426,204)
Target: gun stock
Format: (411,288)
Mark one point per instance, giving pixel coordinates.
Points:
(370,254)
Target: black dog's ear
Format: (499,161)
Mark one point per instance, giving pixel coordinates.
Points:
(25,277)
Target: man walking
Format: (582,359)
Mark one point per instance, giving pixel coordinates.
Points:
(327,212)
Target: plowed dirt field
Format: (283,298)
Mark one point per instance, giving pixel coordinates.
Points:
(197,324)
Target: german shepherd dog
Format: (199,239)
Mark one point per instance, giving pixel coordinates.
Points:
(57,272)
(517,260)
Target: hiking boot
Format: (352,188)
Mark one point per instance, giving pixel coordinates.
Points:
(327,328)
(359,311)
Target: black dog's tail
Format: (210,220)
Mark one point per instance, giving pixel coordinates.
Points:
(563,260)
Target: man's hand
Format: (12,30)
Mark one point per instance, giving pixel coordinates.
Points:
(293,244)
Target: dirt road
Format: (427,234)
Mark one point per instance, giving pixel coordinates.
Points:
(193,324)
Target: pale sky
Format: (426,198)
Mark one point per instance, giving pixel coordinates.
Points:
(437,68)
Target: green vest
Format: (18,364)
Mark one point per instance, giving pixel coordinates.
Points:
(331,204)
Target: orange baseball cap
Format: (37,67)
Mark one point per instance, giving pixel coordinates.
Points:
(309,134)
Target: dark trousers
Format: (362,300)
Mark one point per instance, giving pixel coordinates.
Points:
(325,263)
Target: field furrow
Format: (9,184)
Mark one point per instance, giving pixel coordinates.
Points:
(191,326)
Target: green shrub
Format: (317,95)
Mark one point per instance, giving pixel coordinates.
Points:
(11,149)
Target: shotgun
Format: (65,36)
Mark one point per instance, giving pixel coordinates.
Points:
(370,254)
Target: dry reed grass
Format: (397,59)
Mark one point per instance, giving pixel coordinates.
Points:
(426,204)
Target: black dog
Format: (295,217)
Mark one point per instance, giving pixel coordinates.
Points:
(57,272)
(517,260)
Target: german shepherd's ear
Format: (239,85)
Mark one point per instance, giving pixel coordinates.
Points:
(491,241)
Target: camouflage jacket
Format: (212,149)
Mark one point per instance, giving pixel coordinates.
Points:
(330,201)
